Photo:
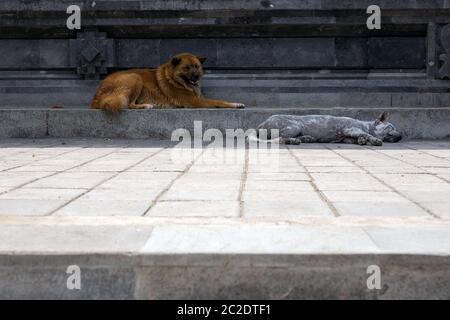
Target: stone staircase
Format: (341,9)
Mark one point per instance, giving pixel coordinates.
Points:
(287,89)
(275,56)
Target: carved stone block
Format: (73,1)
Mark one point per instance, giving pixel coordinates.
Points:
(92,53)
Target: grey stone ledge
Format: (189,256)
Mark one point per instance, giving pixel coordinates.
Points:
(415,123)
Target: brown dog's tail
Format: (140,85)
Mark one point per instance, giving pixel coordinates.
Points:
(110,103)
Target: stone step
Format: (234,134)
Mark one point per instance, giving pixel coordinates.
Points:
(147,258)
(414,123)
(252,97)
(324,81)
(283,89)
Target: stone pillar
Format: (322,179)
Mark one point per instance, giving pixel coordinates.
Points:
(92,53)
(444,71)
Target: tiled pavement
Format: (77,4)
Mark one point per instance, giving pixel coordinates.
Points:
(144,219)
(310,198)
(51,177)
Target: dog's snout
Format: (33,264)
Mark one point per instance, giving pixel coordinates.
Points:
(397,138)
(394,137)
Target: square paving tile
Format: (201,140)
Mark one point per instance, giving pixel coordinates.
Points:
(13,179)
(135,184)
(71,180)
(364,196)
(195,209)
(28,207)
(334,169)
(105,208)
(286,209)
(144,194)
(184,191)
(375,208)
(280,176)
(401,168)
(407,178)
(42,194)
(268,185)
(347,181)
(428,196)
(281,195)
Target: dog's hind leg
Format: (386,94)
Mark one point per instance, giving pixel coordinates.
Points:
(118,93)
(114,103)
(135,92)
(349,141)
(281,130)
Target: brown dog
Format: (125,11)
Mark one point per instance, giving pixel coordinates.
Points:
(173,84)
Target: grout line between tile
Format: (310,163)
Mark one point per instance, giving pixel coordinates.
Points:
(172,182)
(243,184)
(105,180)
(321,195)
(393,189)
(50,157)
(58,172)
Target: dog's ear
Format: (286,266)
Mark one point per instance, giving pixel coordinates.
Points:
(382,117)
(175,61)
(201,59)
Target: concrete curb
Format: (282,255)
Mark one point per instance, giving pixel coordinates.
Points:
(415,123)
(138,258)
(224,277)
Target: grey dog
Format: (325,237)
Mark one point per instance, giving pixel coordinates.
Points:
(329,129)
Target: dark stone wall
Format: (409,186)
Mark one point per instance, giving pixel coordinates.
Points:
(231,33)
(276,53)
(310,38)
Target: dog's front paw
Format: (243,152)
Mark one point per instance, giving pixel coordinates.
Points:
(307,139)
(239,105)
(149,106)
(376,142)
(362,141)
